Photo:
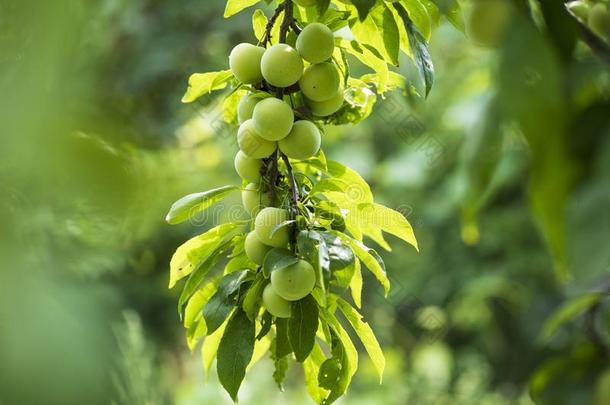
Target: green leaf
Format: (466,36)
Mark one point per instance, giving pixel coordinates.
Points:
(192,204)
(366,335)
(259,23)
(210,348)
(235,352)
(356,285)
(379,30)
(568,311)
(252,299)
(277,259)
(195,251)
(235,6)
(302,327)
(358,189)
(312,246)
(370,258)
(452,10)
(222,303)
(281,225)
(279,373)
(370,58)
(205,83)
(266,322)
(363,7)
(192,312)
(388,220)
(419,15)
(419,48)
(311,370)
(282,341)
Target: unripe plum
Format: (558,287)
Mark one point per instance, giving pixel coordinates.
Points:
(327,107)
(281,65)
(248,168)
(320,82)
(245,107)
(276,305)
(316,43)
(253,200)
(251,143)
(266,220)
(273,119)
(487,21)
(302,142)
(245,63)
(295,281)
(255,249)
(599,20)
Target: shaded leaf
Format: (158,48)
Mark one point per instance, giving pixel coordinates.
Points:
(222,303)
(302,327)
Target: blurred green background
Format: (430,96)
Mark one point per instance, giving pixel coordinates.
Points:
(504,173)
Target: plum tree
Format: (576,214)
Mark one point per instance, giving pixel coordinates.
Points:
(302,142)
(273,119)
(295,281)
(248,168)
(255,249)
(320,82)
(253,200)
(599,20)
(281,65)
(251,143)
(327,107)
(245,107)
(316,43)
(266,220)
(245,63)
(276,305)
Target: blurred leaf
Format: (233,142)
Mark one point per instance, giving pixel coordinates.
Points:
(302,327)
(204,83)
(366,335)
(452,10)
(363,7)
(187,207)
(568,311)
(235,352)
(235,6)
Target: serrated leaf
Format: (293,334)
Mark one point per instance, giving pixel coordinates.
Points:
(235,352)
(302,327)
(259,23)
(222,303)
(279,373)
(204,83)
(195,251)
(366,335)
(235,6)
(566,312)
(419,48)
(192,204)
(379,30)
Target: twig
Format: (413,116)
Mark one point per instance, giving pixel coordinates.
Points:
(293,183)
(271,23)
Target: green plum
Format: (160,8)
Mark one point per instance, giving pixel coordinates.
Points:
(251,143)
(302,142)
(316,43)
(245,63)
(245,107)
(248,169)
(276,305)
(281,65)
(255,249)
(295,281)
(320,82)
(487,22)
(253,200)
(599,20)
(273,119)
(327,107)
(266,220)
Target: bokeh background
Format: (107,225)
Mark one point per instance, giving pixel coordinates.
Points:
(504,173)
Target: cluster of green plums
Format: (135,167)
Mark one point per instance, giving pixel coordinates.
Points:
(282,78)
(594,14)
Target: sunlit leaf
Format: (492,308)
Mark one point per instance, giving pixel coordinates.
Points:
(302,327)
(235,6)
(204,83)
(189,206)
(259,22)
